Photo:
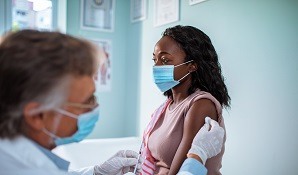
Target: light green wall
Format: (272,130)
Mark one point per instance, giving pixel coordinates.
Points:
(112,104)
(5,16)
(133,59)
(2,17)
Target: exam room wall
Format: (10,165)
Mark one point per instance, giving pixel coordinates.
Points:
(112,103)
(257,45)
(2,17)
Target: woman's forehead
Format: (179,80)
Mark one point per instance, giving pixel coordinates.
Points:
(167,44)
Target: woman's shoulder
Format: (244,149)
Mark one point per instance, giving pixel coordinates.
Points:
(203,95)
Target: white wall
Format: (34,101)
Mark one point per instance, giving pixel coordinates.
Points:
(257,44)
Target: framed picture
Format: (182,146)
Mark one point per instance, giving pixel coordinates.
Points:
(103,77)
(165,11)
(192,2)
(138,10)
(98,15)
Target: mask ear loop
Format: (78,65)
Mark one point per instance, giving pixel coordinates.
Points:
(184,76)
(188,71)
(55,129)
(183,63)
(66,113)
(50,134)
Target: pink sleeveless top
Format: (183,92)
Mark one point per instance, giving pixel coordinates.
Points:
(166,134)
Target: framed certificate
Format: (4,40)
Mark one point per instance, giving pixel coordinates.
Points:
(193,2)
(98,15)
(165,11)
(138,10)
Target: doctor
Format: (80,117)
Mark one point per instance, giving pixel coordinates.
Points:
(46,100)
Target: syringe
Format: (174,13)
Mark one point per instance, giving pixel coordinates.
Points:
(139,156)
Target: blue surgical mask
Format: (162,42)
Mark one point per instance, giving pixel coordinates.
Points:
(85,123)
(164,76)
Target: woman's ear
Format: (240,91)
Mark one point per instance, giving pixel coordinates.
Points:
(32,117)
(193,67)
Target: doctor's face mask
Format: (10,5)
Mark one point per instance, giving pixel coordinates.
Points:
(85,124)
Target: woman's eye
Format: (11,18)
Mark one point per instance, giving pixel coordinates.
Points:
(154,60)
(164,60)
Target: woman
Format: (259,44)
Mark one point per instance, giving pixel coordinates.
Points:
(187,71)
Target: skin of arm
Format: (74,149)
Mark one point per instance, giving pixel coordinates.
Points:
(194,120)
(194,156)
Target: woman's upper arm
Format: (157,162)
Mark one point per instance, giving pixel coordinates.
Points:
(194,120)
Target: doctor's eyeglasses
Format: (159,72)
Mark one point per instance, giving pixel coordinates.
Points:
(91,103)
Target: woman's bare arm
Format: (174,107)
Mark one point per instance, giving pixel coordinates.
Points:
(194,120)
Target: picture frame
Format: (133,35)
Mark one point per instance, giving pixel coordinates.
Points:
(103,76)
(138,10)
(98,15)
(165,12)
(193,2)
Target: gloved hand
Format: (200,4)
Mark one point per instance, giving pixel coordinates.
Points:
(208,143)
(122,162)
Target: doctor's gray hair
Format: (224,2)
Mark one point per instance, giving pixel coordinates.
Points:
(36,67)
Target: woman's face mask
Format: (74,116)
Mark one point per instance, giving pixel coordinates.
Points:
(85,124)
(164,76)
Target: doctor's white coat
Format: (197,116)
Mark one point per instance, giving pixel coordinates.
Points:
(21,156)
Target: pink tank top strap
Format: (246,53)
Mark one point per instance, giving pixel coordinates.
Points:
(148,165)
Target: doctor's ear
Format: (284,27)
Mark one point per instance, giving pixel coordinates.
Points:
(32,117)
